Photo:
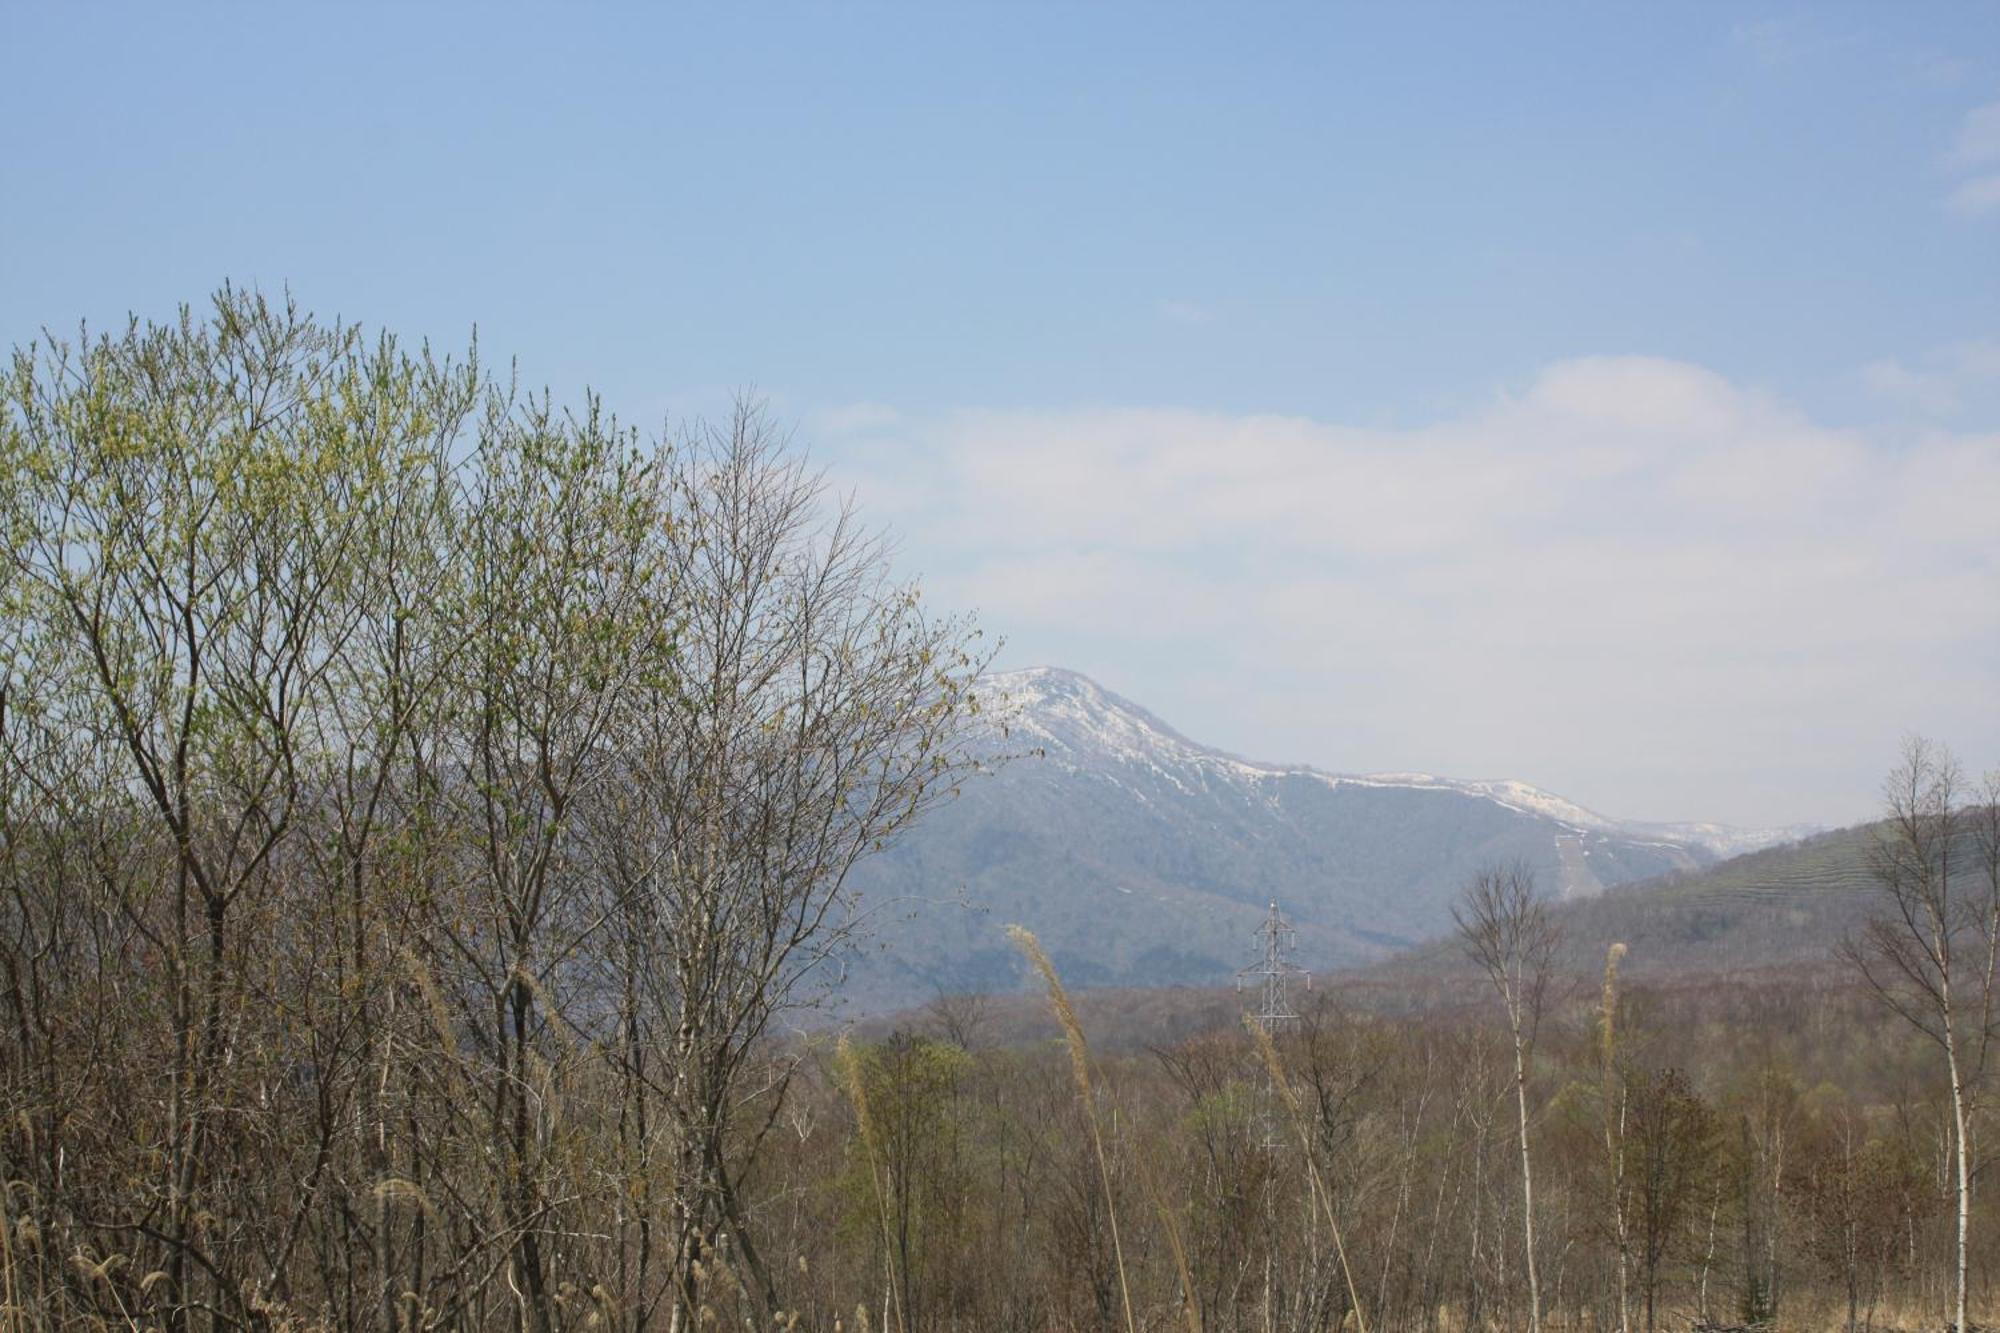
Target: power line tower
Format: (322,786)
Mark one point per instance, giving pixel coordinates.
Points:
(1273,973)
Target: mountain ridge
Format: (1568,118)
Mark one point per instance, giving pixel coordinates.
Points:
(1141,857)
(1027,683)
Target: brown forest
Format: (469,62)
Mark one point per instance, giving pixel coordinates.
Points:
(424,823)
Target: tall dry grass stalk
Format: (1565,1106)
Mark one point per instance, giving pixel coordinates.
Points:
(1609,1009)
(1190,1305)
(7,1254)
(1079,1064)
(847,1061)
(1269,1050)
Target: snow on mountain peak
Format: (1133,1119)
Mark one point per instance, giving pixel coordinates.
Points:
(1079,723)
(1067,712)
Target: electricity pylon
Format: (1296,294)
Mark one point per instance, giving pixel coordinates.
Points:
(1273,972)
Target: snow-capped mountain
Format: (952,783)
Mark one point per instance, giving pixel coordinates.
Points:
(1079,722)
(1142,857)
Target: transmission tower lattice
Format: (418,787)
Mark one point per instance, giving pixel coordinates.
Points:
(1273,972)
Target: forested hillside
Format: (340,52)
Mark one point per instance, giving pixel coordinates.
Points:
(1785,1150)
(1789,906)
(1729,1125)
(1783,905)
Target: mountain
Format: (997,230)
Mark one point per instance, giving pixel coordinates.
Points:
(1143,858)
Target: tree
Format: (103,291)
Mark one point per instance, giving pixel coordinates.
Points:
(1507,931)
(417,803)
(1613,1104)
(200,530)
(564,603)
(1671,1135)
(1930,956)
(1851,1189)
(812,713)
(910,1086)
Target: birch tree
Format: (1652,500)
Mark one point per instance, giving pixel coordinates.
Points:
(1507,932)
(1930,955)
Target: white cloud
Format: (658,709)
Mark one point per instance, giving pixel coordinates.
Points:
(1635,582)
(1978,141)
(1973,153)
(1976,198)
(1928,391)
(1942,382)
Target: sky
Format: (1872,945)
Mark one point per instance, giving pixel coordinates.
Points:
(1602,396)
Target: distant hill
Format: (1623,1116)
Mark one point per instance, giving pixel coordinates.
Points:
(1779,907)
(1782,905)
(1143,858)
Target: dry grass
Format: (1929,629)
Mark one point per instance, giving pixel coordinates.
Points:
(848,1061)
(1079,1062)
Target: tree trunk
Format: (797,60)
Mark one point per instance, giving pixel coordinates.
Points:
(1964,1181)
(1527,1180)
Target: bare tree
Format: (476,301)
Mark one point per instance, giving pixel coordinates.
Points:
(1507,931)
(199,520)
(959,1017)
(406,848)
(1931,955)
(1671,1137)
(814,711)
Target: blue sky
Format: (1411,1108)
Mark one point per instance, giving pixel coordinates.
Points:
(1574,394)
